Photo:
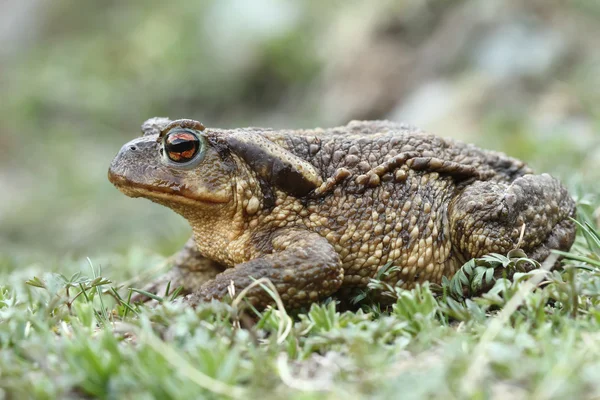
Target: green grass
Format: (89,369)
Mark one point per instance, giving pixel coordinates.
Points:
(536,336)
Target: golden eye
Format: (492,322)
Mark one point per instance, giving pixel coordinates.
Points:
(181,147)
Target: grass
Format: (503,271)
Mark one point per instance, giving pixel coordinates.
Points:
(535,336)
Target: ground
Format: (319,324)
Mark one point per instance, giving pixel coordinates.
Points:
(535,338)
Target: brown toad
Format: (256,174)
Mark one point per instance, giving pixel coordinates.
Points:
(322,211)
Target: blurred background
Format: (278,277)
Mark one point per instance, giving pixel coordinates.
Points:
(78,78)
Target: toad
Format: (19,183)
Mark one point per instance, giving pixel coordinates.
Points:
(320,212)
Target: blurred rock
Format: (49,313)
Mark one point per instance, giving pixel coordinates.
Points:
(474,59)
(516,49)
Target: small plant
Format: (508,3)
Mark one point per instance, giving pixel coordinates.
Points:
(479,274)
(71,289)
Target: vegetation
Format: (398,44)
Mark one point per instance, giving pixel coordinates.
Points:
(76,336)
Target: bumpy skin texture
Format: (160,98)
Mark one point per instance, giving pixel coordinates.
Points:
(320,212)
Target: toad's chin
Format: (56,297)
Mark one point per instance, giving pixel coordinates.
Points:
(163,194)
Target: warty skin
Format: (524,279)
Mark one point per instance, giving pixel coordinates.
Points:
(319,212)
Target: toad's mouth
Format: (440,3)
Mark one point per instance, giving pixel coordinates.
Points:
(169,193)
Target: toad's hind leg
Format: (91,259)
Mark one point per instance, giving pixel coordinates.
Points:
(191,269)
(488,217)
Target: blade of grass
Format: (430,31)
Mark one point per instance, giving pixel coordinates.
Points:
(145,293)
(98,287)
(285,322)
(123,302)
(590,234)
(576,257)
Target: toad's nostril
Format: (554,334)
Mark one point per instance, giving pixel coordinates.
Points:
(132,148)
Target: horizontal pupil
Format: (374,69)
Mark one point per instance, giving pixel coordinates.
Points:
(181,145)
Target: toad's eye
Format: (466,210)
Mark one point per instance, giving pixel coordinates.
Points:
(181,147)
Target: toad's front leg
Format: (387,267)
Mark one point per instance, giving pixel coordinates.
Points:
(302,265)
